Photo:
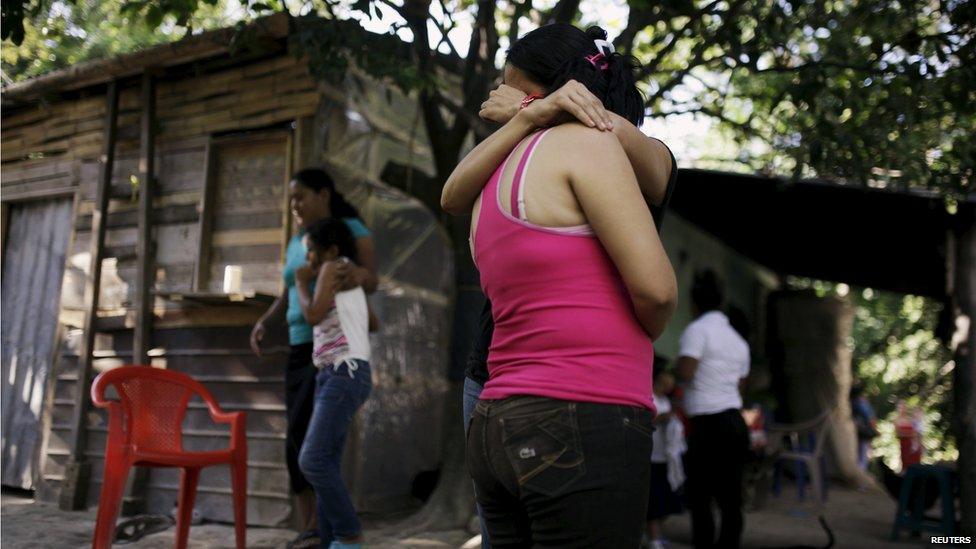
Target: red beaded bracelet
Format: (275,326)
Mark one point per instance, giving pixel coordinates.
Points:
(530,98)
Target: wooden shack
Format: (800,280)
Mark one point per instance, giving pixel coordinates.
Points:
(128,185)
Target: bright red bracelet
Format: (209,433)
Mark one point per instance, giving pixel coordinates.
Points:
(530,98)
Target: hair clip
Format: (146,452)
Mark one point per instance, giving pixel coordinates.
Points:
(600,44)
(598,57)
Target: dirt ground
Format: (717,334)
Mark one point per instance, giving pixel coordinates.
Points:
(859,520)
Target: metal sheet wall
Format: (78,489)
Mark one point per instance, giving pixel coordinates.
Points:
(32,267)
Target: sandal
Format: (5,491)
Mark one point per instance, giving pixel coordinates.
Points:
(308,539)
(141,526)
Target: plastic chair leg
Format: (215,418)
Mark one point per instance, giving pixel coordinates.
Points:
(777,470)
(799,467)
(188,493)
(816,486)
(904,504)
(239,482)
(113,488)
(948,505)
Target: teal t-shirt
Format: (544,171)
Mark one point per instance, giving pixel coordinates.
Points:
(300,331)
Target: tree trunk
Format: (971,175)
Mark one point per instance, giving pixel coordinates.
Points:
(811,350)
(964,377)
(451,505)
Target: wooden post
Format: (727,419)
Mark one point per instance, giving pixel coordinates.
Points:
(964,375)
(144,247)
(74,488)
(134,500)
(202,275)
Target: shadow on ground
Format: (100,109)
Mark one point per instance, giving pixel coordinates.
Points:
(859,519)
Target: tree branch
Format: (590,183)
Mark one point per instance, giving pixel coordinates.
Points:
(563,12)
(640,18)
(521,8)
(479,69)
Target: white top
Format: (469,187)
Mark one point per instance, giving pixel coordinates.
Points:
(658,453)
(669,444)
(723,359)
(344,332)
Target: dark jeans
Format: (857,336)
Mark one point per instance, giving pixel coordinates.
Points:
(553,473)
(472,391)
(717,449)
(299,396)
(339,392)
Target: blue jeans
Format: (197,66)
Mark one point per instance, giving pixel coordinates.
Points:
(472,391)
(339,391)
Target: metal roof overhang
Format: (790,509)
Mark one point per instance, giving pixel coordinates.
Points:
(878,238)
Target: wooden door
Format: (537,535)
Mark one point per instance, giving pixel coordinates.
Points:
(33,264)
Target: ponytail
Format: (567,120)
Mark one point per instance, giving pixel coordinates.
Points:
(555,54)
(317,179)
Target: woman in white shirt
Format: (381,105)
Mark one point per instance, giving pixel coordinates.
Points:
(713,360)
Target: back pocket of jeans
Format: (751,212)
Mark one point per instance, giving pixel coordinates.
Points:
(545,450)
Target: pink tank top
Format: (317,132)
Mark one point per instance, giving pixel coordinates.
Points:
(565,327)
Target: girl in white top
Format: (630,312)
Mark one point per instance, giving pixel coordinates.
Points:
(337,310)
(667,471)
(340,330)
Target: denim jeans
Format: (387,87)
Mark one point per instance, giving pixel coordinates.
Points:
(554,473)
(339,391)
(472,391)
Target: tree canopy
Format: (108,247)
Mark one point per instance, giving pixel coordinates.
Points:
(863,92)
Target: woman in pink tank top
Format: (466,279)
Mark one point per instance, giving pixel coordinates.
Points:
(559,445)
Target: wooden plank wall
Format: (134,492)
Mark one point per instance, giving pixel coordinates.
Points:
(56,146)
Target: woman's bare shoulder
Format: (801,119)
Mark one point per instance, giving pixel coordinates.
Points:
(576,138)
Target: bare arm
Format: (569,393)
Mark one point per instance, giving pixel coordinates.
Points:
(611,200)
(366,269)
(686,368)
(473,171)
(650,158)
(276,312)
(274,315)
(570,101)
(316,306)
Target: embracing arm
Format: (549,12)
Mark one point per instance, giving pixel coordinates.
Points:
(570,101)
(316,306)
(611,200)
(473,171)
(366,270)
(650,158)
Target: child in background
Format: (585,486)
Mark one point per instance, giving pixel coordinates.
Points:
(667,471)
(339,315)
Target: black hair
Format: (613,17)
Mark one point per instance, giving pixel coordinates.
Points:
(554,54)
(706,291)
(329,232)
(316,179)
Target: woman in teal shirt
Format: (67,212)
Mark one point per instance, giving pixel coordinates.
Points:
(312,197)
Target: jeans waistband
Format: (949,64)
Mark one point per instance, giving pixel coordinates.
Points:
(728,412)
(351,367)
(530,404)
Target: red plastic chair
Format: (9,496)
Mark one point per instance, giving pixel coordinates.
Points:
(145,428)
